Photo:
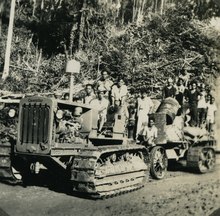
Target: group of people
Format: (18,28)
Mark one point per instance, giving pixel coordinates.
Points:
(108,96)
(195,100)
(105,94)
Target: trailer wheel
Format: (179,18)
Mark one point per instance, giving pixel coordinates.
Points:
(158,162)
(206,161)
(201,159)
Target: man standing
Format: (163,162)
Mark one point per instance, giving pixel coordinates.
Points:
(202,106)
(119,92)
(169,90)
(144,106)
(211,110)
(180,90)
(185,76)
(193,96)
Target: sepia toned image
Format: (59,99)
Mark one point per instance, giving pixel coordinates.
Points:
(109,107)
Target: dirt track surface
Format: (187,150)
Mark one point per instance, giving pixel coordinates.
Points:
(180,193)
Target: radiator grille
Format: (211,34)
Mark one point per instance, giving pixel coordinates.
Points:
(34,123)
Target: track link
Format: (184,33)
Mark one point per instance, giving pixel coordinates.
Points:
(105,174)
(7,172)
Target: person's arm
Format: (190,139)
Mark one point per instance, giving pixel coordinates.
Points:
(163,93)
(151,104)
(108,86)
(104,108)
(156,133)
(113,95)
(124,94)
(138,106)
(174,92)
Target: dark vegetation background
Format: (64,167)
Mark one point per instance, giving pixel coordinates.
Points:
(145,41)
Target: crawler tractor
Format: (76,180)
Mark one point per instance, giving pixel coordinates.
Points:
(62,136)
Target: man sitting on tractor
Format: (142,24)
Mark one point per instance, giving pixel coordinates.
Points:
(148,134)
(101,104)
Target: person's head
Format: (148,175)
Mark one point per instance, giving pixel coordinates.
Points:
(77,111)
(194,85)
(212,100)
(101,94)
(151,122)
(208,89)
(132,91)
(170,82)
(183,72)
(77,99)
(143,93)
(58,95)
(117,103)
(202,87)
(208,98)
(180,82)
(89,89)
(66,96)
(120,82)
(104,74)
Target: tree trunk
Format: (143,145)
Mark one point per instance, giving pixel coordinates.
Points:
(162,6)
(2,5)
(81,24)
(5,73)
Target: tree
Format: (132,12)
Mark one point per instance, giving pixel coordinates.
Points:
(5,73)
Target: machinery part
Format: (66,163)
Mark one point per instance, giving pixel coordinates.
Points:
(158,162)
(170,107)
(201,159)
(107,173)
(9,168)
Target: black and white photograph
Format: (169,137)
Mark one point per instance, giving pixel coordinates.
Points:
(109,107)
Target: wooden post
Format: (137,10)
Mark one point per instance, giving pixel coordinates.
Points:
(71,87)
(9,40)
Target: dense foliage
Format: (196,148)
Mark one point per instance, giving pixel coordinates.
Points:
(140,40)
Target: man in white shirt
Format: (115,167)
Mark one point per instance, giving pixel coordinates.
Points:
(100,104)
(144,106)
(211,110)
(119,92)
(105,83)
(150,132)
(202,105)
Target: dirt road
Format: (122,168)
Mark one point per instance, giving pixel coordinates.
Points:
(180,193)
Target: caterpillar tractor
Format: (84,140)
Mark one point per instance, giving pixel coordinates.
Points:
(62,136)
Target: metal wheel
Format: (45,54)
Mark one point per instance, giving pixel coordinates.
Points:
(206,161)
(158,162)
